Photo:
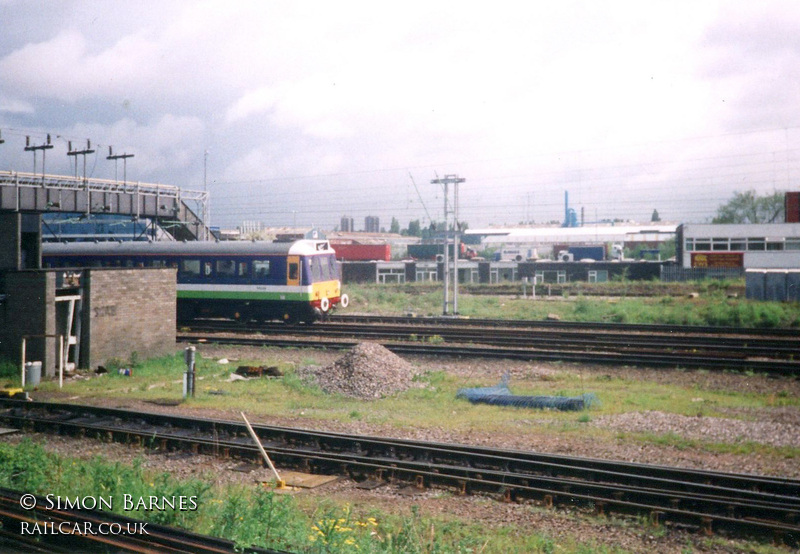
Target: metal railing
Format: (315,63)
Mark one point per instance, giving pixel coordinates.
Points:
(66,182)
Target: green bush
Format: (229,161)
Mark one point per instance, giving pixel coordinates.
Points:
(9,370)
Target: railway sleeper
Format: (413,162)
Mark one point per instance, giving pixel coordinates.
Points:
(706,526)
(656,518)
(600,509)
(420,482)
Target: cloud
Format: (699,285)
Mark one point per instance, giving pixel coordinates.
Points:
(251,103)
(14,106)
(752,61)
(63,68)
(162,150)
(338,99)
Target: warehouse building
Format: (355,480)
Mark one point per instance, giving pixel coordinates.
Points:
(746,246)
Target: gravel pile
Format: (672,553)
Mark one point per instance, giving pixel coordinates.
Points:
(711,429)
(367,371)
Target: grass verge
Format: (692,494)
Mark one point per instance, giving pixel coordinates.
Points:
(256,516)
(713,307)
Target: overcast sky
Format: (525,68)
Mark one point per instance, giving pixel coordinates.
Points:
(309,111)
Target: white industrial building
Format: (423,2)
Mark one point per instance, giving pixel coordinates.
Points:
(533,242)
(763,246)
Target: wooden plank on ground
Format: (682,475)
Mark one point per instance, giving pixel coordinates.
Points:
(306,480)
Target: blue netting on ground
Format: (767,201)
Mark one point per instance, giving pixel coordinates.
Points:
(500,395)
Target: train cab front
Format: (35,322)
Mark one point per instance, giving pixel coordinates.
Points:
(326,297)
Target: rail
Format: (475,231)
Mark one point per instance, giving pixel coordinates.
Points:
(736,503)
(775,356)
(591,326)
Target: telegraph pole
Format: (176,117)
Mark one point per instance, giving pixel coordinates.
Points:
(76,153)
(43,147)
(84,152)
(455,180)
(124,158)
(206,201)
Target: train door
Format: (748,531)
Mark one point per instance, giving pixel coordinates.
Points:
(293,270)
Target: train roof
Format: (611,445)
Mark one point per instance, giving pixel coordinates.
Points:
(132,248)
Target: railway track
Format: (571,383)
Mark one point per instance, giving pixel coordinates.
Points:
(574,325)
(675,347)
(711,501)
(42,529)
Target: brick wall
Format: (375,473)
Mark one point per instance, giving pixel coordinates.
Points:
(10,232)
(128,310)
(28,309)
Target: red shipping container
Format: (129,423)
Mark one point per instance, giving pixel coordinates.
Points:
(792,207)
(362,252)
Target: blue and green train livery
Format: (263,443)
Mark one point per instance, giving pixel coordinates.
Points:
(291,281)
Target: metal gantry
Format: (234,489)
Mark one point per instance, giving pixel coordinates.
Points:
(447,180)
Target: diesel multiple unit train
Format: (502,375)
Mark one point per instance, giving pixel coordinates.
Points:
(291,281)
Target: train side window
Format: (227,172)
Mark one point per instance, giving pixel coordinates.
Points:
(260,268)
(190,267)
(242,269)
(294,271)
(792,243)
(225,268)
(207,268)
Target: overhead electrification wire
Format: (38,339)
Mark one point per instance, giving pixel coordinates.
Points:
(420,197)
